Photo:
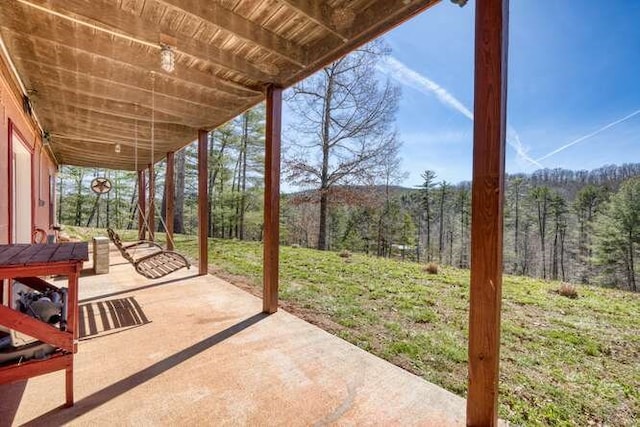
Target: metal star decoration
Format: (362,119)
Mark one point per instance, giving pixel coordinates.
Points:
(101,185)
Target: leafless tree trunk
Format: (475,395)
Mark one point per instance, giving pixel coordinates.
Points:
(178,217)
(517,184)
(78,176)
(243,179)
(540,196)
(133,206)
(443,195)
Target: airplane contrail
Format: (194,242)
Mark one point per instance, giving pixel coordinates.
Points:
(409,77)
(592,134)
(422,83)
(513,139)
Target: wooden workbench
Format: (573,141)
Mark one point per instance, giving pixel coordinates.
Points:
(25,263)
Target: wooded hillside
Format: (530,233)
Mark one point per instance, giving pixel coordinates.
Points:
(580,226)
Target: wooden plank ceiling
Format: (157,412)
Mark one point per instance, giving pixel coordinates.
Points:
(92,67)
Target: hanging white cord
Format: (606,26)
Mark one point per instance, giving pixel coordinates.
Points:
(153,151)
(152,167)
(135,142)
(153,105)
(153,108)
(135,157)
(153,117)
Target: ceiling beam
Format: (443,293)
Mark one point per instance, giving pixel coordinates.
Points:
(79,46)
(72,109)
(52,96)
(137,88)
(394,12)
(48,97)
(76,157)
(121,21)
(141,115)
(89,147)
(366,26)
(130,153)
(101,125)
(112,141)
(69,112)
(250,32)
(88,128)
(318,12)
(126,158)
(105,147)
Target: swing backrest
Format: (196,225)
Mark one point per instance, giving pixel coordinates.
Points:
(152,266)
(115,238)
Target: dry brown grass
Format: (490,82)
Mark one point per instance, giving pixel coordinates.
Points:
(568,290)
(345,253)
(431,268)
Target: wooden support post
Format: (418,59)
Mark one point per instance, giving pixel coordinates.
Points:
(272,200)
(170,188)
(203,203)
(489,132)
(142,203)
(151,215)
(72,326)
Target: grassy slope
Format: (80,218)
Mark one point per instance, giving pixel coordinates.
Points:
(563,361)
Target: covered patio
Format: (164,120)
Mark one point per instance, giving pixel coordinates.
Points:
(192,349)
(125,84)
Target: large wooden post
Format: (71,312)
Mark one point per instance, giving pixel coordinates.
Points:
(170,189)
(203,203)
(151,216)
(142,203)
(489,132)
(272,200)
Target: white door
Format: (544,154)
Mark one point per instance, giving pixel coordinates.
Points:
(21,215)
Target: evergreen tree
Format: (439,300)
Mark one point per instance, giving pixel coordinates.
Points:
(427,205)
(618,234)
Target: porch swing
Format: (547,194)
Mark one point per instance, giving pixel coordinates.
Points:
(161,262)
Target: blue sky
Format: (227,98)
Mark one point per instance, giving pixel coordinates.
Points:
(574,80)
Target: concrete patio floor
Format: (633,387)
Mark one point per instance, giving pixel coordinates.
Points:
(196,350)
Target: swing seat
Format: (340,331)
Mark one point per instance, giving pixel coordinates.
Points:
(154,265)
(115,238)
(160,264)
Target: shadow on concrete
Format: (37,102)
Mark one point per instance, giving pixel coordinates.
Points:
(11,397)
(96,318)
(119,263)
(61,415)
(139,288)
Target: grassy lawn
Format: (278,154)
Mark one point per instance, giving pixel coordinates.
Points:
(563,361)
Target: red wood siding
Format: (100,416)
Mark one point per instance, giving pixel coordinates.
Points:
(12,116)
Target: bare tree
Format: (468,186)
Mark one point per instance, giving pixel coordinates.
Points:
(463,206)
(343,128)
(444,189)
(517,185)
(558,211)
(541,197)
